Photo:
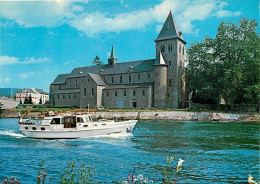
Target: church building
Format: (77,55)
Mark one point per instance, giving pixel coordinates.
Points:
(158,82)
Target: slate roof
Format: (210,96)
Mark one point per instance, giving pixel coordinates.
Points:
(160,60)
(138,66)
(137,85)
(27,89)
(169,30)
(98,80)
(41,91)
(60,79)
(68,91)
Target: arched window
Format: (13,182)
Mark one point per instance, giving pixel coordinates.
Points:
(121,79)
(133,93)
(162,48)
(170,47)
(130,78)
(183,50)
(180,49)
(92,91)
(112,79)
(115,93)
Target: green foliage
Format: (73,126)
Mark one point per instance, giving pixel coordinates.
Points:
(30,99)
(40,101)
(97,61)
(227,66)
(81,176)
(26,101)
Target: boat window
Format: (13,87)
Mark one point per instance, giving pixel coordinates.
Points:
(80,119)
(95,124)
(87,118)
(85,126)
(104,124)
(42,128)
(26,128)
(34,128)
(55,121)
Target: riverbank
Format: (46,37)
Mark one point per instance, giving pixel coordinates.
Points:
(153,115)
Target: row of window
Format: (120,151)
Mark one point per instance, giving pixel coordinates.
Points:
(130,78)
(69,97)
(124,93)
(170,48)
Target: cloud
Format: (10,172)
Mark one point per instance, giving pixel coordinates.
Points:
(26,75)
(225,13)
(9,60)
(4,80)
(55,13)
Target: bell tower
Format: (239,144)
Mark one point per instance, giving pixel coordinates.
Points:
(171,45)
(112,60)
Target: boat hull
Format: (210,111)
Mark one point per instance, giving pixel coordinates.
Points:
(74,133)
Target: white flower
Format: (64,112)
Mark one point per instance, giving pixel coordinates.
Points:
(250,179)
(140,177)
(180,162)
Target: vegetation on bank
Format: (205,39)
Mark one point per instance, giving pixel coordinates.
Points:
(226,67)
(84,175)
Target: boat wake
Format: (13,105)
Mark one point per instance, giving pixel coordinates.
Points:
(10,133)
(113,136)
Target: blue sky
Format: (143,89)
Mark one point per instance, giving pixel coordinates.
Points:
(41,39)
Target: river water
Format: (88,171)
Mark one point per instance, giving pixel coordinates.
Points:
(214,152)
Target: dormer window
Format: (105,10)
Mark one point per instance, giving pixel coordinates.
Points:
(168,26)
(131,68)
(80,73)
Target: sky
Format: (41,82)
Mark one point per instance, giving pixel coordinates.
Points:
(40,39)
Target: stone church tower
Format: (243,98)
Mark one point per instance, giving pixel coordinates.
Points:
(170,64)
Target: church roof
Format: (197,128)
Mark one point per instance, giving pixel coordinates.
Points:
(160,60)
(98,80)
(137,66)
(169,30)
(60,79)
(125,86)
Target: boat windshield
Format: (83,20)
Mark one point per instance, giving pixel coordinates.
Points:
(56,121)
(88,118)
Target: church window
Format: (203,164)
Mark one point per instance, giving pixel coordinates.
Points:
(69,96)
(115,93)
(180,49)
(143,92)
(170,64)
(70,83)
(107,94)
(162,48)
(170,47)
(168,95)
(130,78)
(183,50)
(170,82)
(121,79)
(112,79)
(75,96)
(124,93)
(76,83)
(133,93)
(139,77)
(63,96)
(59,87)
(148,76)
(58,97)
(85,91)
(92,91)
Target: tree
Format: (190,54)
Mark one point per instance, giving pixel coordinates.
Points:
(30,99)
(20,101)
(227,66)
(26,101)
(40,101)
(97,61)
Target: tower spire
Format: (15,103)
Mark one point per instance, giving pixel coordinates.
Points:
(112,53)
(170,30)
(112,60)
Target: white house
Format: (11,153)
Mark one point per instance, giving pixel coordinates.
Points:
(36,95)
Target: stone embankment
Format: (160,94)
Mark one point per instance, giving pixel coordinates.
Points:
(159,115)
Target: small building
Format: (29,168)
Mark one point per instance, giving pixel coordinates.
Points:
(158,82)
(37,95)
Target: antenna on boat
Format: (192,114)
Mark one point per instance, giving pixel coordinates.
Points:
(88,108)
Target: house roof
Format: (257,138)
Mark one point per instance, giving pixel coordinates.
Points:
(169,30)
(98,80)
(34,90)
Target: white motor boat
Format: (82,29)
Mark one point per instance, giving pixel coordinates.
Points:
(72,127)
